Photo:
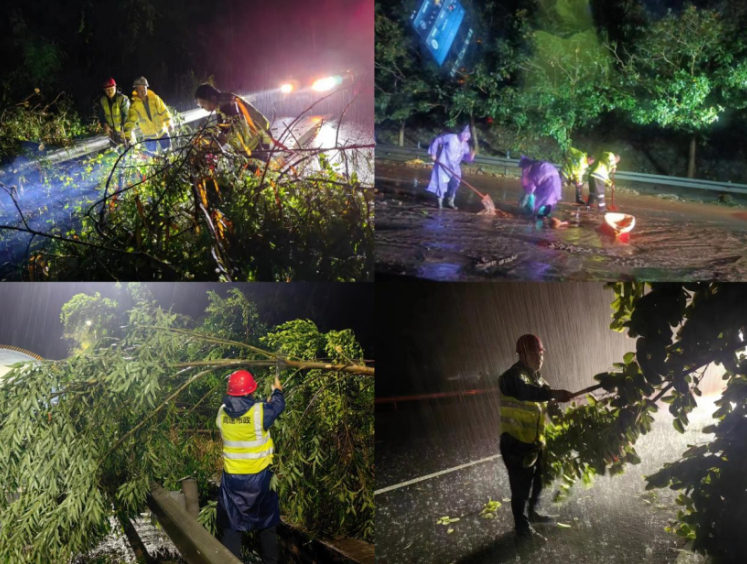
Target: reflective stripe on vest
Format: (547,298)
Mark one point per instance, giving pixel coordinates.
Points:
(523,420)
(247,447)
(112,112)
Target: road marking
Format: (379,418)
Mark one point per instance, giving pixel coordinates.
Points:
(435,475)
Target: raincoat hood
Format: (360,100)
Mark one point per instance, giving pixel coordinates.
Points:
(236,406)
(525,161)
(465,135)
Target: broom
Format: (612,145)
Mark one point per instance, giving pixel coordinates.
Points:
(486,200)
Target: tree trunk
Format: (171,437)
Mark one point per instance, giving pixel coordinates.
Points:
(475,138)
(691,157)
(402,133)
(141,553)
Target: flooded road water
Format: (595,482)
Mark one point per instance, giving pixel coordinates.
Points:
(673,240)
(615,521)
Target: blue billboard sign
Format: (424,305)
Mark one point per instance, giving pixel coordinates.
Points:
(437,23)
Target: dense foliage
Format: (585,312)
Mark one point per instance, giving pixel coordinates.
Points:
(680,329)
(552,69)
(84,437)
(202,213)
(45,123)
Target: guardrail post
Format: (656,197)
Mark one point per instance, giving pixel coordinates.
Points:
(196,545)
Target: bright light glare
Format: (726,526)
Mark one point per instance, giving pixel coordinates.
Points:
(327,83)
(286,88)
(89,322)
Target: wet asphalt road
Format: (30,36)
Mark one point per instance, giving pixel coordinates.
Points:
(615,521)
(673,240)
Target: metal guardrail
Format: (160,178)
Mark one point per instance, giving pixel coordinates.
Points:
(195,543)
(88,146)
(399,153)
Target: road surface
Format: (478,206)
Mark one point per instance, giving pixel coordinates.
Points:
(673,240)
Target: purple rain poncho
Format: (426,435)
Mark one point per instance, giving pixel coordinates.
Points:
(541,180)
(450,149)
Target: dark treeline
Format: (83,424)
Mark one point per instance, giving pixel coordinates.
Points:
(542,75)
(74,46)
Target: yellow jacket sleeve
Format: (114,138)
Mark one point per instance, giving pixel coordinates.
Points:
(132,120)
(163,112)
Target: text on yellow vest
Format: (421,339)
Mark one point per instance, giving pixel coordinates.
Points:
(247,447)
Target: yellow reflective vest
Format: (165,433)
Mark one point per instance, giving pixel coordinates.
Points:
(524,420)
(153,122)
(113,109)
(603,167)
(575,166)
(247,447)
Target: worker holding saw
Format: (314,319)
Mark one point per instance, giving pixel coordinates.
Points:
(246,502)
(601,175)
(524,396)
(112,112)
(448,151)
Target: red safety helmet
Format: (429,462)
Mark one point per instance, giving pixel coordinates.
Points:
(241,383)
(528,343)
(109,83)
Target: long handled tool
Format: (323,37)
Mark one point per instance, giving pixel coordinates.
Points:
(612,205)
(586,390)
(486,200)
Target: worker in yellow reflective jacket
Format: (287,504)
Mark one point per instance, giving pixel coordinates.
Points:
(245,502)
(149,114)
(523,395)
(574,168)
(112,112)
(243,126)
(601,175)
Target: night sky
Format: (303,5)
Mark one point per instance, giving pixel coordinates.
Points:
(74,46)
(30,312)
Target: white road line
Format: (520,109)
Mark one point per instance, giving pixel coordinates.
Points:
(435,475)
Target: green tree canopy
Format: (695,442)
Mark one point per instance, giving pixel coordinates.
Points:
(680,329)
(82,438)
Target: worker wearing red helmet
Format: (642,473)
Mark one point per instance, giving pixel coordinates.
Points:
(524,395)
(245,502)
(112,111)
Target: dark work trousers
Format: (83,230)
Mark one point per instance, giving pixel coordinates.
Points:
(579,189)
(152,144)
(268,544)
(522,480)
(596,190)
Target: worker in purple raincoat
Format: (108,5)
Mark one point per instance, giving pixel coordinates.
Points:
(448,151)
(542,187)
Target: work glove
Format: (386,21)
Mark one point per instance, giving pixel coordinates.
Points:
(561,395)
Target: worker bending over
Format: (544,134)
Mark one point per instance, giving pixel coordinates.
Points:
(245,502)
(542,189)
(601,175)
(243,126)
(523,395)
(575,165)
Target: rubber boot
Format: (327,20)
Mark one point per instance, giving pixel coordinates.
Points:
(451,204)
(579,199)
(440,203)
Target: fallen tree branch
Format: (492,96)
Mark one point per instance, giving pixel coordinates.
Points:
(303,365)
